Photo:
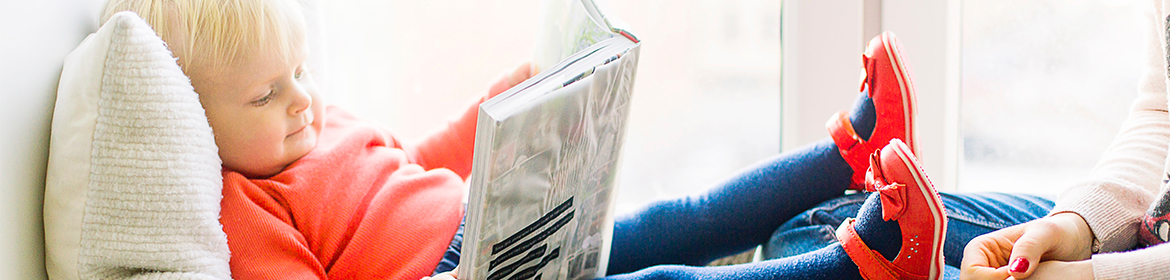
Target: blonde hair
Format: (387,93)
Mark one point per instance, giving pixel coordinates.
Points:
(216,33)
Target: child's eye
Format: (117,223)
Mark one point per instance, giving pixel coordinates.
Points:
(298,75)
(264,100)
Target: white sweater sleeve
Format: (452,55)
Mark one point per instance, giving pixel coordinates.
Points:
(1128,175)
(1148,263)
(1127,178)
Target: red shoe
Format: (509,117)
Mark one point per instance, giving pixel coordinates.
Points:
(888,82)
(907,196)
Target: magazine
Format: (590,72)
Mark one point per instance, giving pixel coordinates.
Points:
(544,173)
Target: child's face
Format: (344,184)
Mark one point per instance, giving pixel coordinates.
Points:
(264,110)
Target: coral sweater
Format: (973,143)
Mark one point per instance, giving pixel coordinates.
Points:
(359,206)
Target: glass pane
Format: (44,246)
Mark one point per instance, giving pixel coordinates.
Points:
(707,99)
(1045,87)
(705,104)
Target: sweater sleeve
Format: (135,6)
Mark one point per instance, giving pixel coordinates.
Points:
(1127,177)
(1144,263)
(262,239)
(452,146)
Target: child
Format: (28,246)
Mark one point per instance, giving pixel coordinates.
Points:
(309,189)
(311,192)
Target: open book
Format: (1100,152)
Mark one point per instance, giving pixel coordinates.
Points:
(544,174)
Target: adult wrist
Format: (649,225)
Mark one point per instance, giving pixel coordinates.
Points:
(1083,269)
(1075,226)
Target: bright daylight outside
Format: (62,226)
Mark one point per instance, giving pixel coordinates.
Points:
(706,100)
(1045,87)
(1045,84)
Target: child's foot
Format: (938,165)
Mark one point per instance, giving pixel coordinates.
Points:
(886,109)
(907,199)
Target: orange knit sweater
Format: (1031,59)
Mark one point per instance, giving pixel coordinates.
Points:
(359,206)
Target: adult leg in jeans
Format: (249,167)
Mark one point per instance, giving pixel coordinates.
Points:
(970,215)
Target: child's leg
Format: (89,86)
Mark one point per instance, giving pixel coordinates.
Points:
(738,214)
(827,263)
(902,222)
(744,210)
(910,235)
(830,262)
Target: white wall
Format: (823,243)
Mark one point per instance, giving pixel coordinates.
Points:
(33,45)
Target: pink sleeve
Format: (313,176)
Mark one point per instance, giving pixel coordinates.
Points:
(1127,177)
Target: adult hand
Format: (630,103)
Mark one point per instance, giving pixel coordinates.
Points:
(1061,270)
(1015,251)
(523,72)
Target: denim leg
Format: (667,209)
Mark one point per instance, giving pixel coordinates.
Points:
(451,257)
(969,215)
(975,214)
(736,215)
(812,229)
(825,263)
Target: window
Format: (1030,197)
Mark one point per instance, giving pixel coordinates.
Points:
(1018,96)
(1045,87)
(706,102)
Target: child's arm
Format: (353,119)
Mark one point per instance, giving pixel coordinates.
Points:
(263,242)
(452,146)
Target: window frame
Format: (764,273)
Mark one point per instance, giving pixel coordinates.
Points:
(820,45)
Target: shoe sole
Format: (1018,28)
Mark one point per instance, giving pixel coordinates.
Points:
(909,100)
(935,205)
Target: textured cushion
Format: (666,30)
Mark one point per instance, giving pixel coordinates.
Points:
(133,184)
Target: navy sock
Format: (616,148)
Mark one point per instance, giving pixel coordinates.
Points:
(864,115)
(881,235)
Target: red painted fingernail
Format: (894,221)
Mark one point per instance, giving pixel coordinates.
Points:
(1019,265)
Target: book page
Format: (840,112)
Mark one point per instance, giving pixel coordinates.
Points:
(568,27)
(544,173)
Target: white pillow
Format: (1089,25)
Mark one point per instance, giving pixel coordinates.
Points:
(133,185)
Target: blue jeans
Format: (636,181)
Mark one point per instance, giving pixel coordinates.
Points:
(969,215)
(797,192)
(792,202)
(737,214)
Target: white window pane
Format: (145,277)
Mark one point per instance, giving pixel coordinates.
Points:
(1045,87)
(705,104)
(707,99)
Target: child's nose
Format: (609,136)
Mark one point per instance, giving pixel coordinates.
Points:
(301,100)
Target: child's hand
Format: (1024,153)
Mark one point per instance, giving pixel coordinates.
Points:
(510,80)
(450,275)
